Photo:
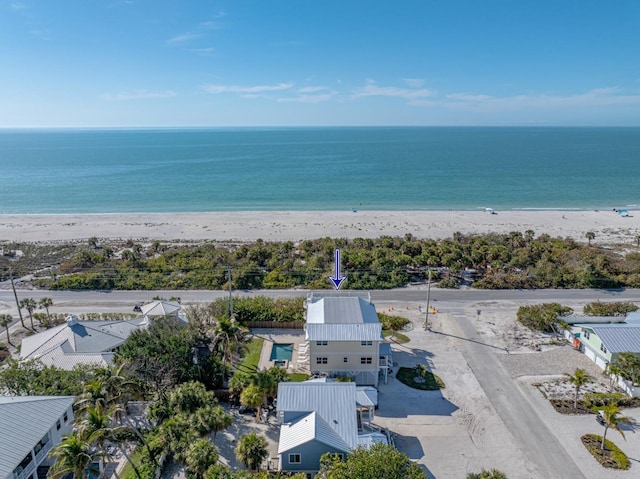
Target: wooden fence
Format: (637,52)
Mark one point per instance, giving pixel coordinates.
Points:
(275,325)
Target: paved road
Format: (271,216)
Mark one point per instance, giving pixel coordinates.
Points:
(412,294)
(534,437)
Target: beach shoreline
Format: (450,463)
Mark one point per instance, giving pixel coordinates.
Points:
(247,226)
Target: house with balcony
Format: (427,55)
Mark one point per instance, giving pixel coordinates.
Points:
(320,416)
(344,338)
(30,426)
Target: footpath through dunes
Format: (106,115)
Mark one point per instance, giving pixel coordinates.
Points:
(607,226)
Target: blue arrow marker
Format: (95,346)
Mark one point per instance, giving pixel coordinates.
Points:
(337,278)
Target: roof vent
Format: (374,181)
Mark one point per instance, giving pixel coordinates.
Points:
(71,319)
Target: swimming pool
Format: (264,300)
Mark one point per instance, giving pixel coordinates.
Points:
(281,352)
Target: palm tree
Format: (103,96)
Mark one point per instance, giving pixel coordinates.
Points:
(5,321)
(228,335)
(46,303)
(200,456)
(30,305)
(629,364)
(614,371)
(73,456)
(252,450)
(484,474)
(590,235)
(252,397)
(211,418)
(578,379)
(610,414)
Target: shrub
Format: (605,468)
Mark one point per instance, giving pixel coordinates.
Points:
(393,323)
(596,400)
(611,457)
(449,283)
(621,308)
(543,317)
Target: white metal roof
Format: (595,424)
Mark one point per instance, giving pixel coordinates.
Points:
(308,428)
(341,310)
(335,403)
(343,332)
(78,342)
(160,308)
(24,420)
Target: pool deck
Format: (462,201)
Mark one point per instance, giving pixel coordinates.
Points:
(299,361)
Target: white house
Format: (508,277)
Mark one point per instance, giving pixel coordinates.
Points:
(30,426)
(344,338)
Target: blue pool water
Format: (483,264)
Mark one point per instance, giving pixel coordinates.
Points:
(281,352)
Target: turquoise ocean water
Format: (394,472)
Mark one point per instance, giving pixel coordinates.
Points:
(194,170)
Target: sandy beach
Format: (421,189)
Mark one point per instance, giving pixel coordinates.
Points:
(608,226)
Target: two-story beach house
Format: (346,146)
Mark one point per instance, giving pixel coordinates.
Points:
(344,338)
(30,426)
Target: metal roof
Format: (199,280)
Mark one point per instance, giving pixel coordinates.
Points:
(618,338)
(343,332)
(341,310)
(160,308)
(335,403)
(384,349)
(24,420)
(79,337)
(308,428)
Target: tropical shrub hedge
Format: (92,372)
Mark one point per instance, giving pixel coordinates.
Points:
(543,317)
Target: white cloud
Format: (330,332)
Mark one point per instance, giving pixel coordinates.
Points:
(371,89)
(592,98)
(137,95)
(246,89)
(312,89)
(17,6)
(183,38)
(413,82)
(304,98)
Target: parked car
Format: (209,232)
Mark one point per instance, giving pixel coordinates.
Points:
(600,419)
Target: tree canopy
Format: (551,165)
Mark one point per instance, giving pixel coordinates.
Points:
(380,461)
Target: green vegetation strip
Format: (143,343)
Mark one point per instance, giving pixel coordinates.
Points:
(252,355)
(298,377)
(424,380)
(395,336)
(610,457)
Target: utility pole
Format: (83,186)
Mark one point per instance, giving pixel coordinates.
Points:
(15,295)
(230,291)
(426,317)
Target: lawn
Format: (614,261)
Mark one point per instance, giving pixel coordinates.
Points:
(414,378)
(251,356)
(395,336)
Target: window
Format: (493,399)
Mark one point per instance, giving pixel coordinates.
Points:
(322,360)
(345,360)
(321,343)
(366,360)
(586,333)
(340,456)
(58,424)
(603,348)
(65,417)
(366,343)
(295,459)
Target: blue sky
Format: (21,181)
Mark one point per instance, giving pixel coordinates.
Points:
(118,63)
